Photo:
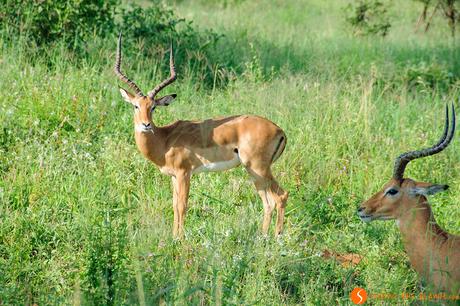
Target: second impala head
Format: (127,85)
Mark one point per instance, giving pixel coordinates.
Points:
(401,195)
(396,199)
(143,109)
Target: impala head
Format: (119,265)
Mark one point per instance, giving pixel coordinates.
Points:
(144,105)
(401,194)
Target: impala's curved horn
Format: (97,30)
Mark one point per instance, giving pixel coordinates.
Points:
(402,160)
(120,74)
(172,76)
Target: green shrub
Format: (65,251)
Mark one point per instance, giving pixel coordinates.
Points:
(368,17)
(155,24)
(431,75)
(220,3)
(158,26)
(46,21)
(84,26)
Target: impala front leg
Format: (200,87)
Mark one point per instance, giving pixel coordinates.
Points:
(181,184)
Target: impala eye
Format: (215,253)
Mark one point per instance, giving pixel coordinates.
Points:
(392,191)
(136,106)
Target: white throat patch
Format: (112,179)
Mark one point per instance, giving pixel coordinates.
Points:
(142,129)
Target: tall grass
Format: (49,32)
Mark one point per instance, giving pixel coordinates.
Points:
(85,219)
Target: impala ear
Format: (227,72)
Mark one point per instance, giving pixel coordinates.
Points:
(166,100)
(128,97)
(428,189)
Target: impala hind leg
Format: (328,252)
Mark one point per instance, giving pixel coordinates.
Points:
(272,196)
(268,206)
(181,185)
(281,198)
(176,212)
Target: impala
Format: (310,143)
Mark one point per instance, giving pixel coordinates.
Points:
(184,148)
(433,253)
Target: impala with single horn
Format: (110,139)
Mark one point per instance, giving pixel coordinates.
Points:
(184,148)
(433,253)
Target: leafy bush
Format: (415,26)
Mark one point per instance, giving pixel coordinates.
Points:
(46,21)
(221,3)
(151,30)
(368,17)
(149,23)
(429,76)
(83,25)
(158,26)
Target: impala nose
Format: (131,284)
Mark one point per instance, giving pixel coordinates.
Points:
(147,125)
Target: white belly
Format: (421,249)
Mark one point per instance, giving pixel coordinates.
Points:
(218,166)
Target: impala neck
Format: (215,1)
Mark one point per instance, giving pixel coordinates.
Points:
(421,234)
(151,145)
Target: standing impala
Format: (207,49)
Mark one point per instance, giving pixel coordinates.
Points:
(184,148)
(433,253)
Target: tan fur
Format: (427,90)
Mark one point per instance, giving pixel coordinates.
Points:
(433,253)
(184,146)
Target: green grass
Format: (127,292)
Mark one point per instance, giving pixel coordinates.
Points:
(85,219)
